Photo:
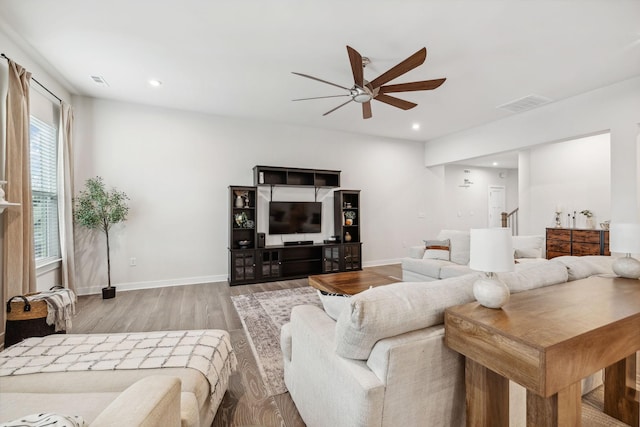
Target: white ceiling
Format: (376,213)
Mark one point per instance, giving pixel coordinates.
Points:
(234,57)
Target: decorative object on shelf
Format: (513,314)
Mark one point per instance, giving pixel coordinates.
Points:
(347,205)
(249,223)
(242,199)
(97,208)
(558,222)
(349,217)
(3,203)
(244,244)
(625,238)
(589,215)
(605,225)
(241,219)
(491,251)
(347,237)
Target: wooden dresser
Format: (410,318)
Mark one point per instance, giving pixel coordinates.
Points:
(572,241)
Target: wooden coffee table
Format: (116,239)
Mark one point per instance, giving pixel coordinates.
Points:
(350,282)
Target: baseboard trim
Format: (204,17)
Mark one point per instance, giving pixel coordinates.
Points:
(382,262)
(154,284)
(194,280)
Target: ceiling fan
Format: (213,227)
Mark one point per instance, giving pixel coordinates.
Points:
(364,91)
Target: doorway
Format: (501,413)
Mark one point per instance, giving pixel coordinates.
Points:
(496,205)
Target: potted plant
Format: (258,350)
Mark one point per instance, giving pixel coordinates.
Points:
(97,208)
(589,215)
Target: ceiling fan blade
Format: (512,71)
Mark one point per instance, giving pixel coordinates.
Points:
(413,86)
(321,97)
(407,65)
(341,105)
(396,102)
(366,110)
(320,80)
(356,66)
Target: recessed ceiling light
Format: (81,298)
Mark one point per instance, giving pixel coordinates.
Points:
(495,163)
(155,83)
(415,126)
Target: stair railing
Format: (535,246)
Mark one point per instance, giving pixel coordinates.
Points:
(510,220)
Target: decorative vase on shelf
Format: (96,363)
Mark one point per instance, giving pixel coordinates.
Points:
(347,237)
(590,223)
(239,202)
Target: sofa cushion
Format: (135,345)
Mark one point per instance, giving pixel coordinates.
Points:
(333,303)
(534,275)
(390,310)
(426,267)
(436,249)
(581,267)
(528,246)
(459,245)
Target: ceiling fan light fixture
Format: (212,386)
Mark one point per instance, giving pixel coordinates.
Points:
(362,98)
(361,95)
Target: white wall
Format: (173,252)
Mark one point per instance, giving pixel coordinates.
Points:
(614,109)
(176,167)
(573,175)
(467,207)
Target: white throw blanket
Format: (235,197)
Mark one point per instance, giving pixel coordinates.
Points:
(61,306)
(208,351)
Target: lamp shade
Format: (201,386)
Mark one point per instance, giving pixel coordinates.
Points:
(491,250)
(624,238)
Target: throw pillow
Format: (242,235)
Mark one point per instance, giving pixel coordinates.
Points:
(436,249)
(48,419)
(333,303)
(527,253)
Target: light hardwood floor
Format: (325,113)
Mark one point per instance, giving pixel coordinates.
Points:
(203,306)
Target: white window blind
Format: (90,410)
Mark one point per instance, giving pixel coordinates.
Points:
(44,187)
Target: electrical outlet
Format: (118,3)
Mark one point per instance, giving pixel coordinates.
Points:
(133,262)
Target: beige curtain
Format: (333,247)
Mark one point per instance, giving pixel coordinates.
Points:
(65,211)
(18,263)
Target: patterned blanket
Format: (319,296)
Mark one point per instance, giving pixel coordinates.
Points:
(208,351)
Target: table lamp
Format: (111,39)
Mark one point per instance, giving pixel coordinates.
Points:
(491,252)
(625,238)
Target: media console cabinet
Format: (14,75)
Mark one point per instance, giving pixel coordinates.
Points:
(252,262)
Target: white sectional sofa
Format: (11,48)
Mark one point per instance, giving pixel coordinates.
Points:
(383,362)
(418,267)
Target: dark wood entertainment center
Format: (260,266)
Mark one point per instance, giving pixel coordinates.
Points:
(252,262)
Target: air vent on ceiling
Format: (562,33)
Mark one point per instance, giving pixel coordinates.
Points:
(100,81)
(524,104)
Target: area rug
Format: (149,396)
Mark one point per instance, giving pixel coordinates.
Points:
(262,315)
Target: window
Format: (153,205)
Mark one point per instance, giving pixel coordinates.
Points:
(44,187)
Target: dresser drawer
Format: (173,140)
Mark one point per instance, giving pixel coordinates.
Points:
(580,249)
(586,236)
(558,234)
(559,246)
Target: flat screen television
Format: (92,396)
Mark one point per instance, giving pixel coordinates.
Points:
(295,217)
